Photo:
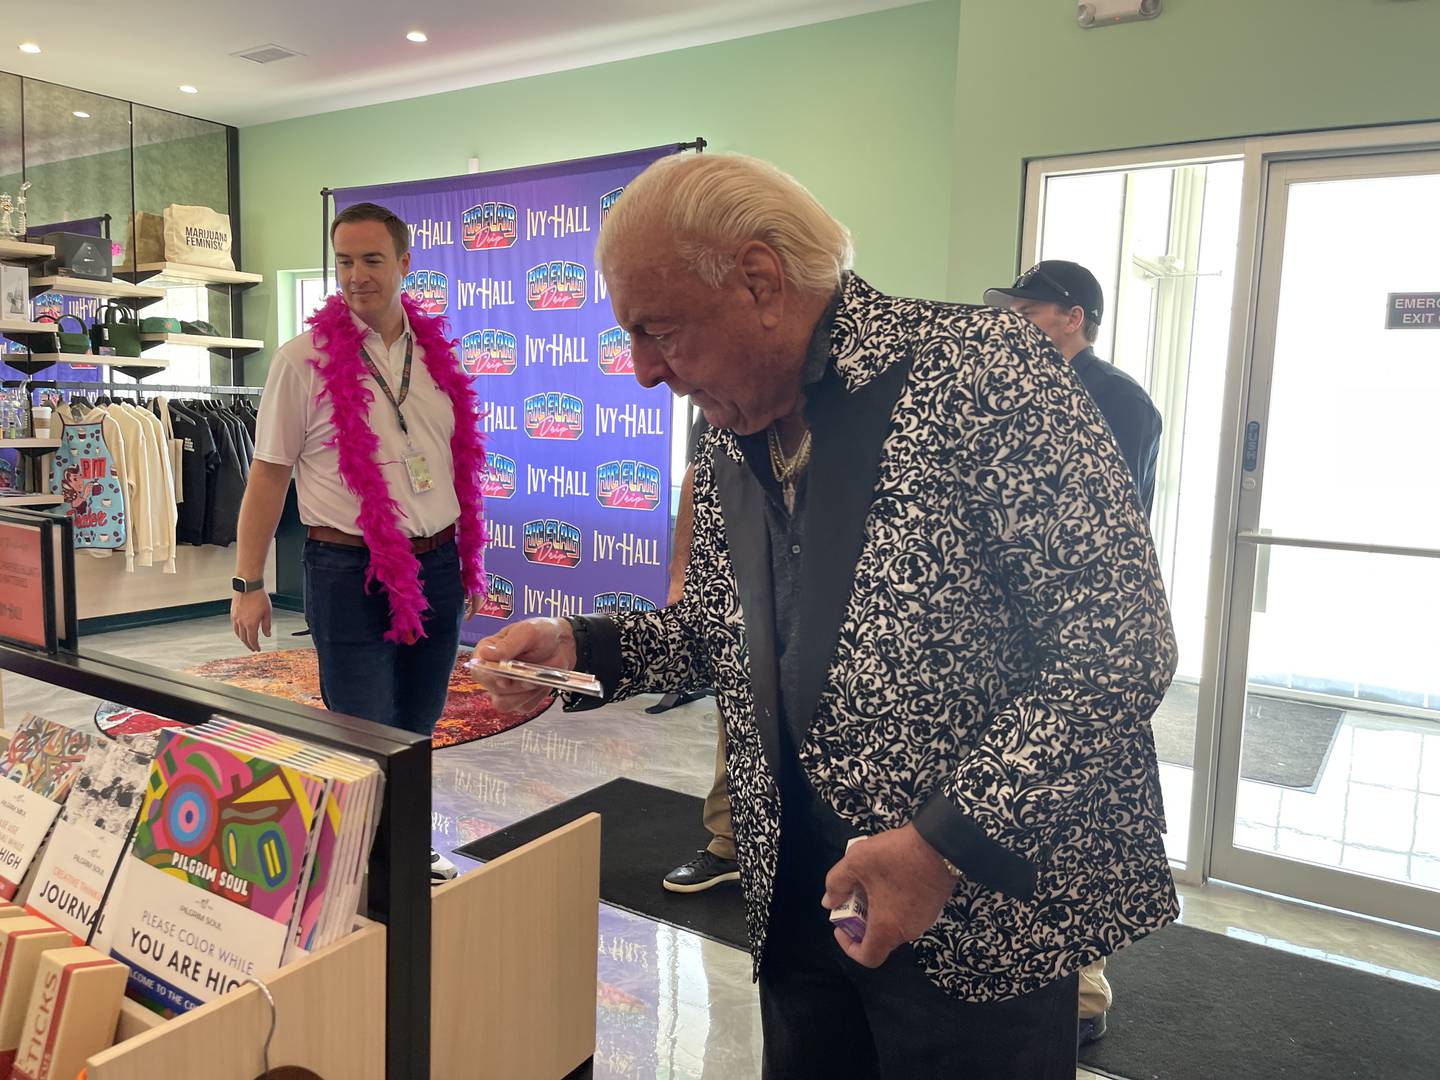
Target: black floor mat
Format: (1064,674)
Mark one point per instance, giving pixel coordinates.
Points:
(645,832)
(1192,1005)
(1286,742)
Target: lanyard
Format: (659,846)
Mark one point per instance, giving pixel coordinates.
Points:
(404,380)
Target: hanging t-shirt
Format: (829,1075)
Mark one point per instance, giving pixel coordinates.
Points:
(199,461)
(88,472)
(161,482)
(222,512)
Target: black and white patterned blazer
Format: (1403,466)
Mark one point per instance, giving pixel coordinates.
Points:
(987,642)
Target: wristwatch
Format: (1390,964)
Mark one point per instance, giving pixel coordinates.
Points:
(240,585)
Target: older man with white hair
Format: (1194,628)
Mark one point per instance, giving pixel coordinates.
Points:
(925,596)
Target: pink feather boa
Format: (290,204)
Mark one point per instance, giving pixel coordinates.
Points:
(346,381)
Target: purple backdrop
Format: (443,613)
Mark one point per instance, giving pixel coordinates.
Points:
(577,491)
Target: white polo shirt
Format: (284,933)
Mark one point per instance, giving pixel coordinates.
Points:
(293,429)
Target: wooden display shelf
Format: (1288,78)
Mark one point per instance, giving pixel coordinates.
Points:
(24,250)
(14,502)
(30,363)
(214,344)
(176,273)
(108,290)
(12,327)
(137,367)
(29,444)
(329,1018)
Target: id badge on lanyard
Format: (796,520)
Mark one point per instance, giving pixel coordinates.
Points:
(416,467)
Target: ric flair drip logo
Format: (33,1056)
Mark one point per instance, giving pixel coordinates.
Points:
(498,479)
(555,286)
(49,305)
(607,203)
(489,226)
(551,543)
(553,415)
(430,289)
(627,485)
(499,598)
(489,352)
(615,603)
(614,354)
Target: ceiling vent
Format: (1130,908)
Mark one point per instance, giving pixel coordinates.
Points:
(266,54)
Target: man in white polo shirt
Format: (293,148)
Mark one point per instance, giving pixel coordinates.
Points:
(366,417)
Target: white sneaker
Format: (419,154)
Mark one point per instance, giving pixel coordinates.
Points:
(441,868)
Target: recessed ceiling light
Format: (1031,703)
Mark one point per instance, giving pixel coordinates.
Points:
(186,88)
(29,47)
(417,36)
(81,115)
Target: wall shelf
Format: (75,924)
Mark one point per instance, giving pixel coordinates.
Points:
(106,290)
(23,251)
(12,327)
(29,444)
(184,274)
(16,501)
(136,367)
(214,344)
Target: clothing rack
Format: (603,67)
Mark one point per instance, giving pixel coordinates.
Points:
(146,387)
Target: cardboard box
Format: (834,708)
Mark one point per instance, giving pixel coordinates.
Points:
(72,1013)
(14,292)
(22,941)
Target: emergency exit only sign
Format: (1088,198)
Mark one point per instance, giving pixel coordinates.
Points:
(1413,311)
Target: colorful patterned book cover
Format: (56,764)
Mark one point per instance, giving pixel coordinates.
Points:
(44,757)
(230,822)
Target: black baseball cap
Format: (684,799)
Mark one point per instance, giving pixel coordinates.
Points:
(1054,281)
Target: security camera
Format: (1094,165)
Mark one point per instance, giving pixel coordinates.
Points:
(1096,13)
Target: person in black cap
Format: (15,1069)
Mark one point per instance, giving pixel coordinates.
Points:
(1065,301)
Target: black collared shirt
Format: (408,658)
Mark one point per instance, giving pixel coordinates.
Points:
(786,532)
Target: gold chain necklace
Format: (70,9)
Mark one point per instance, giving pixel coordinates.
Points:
(787,470)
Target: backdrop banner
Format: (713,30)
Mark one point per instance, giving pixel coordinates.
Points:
(577,485)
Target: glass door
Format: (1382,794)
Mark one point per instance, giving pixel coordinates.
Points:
(1328,781)
(1162,241)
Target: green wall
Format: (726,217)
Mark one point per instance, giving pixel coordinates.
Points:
(858,109)
(1031,83)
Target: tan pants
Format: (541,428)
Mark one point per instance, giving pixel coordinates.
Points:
(1095,995)
(717,803)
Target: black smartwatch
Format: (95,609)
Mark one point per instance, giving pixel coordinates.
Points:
(240,585)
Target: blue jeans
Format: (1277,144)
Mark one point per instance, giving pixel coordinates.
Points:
(361,673)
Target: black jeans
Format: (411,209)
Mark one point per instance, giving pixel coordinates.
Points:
(361,673)
(824,1016)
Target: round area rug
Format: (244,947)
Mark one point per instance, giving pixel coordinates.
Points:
(294,674)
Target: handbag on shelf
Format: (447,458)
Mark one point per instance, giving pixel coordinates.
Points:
(68,341)
(115,329)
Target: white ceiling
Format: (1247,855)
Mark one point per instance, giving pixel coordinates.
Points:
(355,52)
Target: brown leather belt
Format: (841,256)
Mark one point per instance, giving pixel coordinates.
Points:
(419,545)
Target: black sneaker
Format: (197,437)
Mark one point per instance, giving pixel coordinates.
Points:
(705,871)
(1090,1029)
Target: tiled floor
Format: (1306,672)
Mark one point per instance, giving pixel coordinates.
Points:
(675,1006)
